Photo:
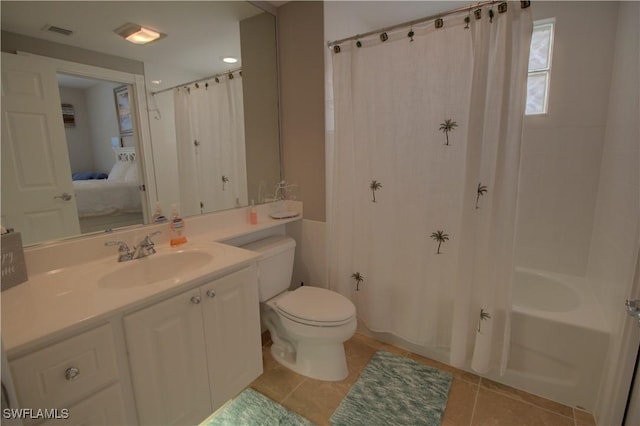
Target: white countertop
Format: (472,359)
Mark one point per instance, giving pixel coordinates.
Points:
(63,293)
(70,297)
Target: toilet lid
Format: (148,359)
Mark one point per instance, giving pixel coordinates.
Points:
(313,304)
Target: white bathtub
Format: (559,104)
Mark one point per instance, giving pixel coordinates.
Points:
(559,338)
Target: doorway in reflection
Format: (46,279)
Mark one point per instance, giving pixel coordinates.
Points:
(101,142)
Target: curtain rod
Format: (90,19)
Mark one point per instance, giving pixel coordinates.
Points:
(421,20)
(211,77)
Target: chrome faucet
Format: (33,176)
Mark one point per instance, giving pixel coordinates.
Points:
(124,254)
(146,247)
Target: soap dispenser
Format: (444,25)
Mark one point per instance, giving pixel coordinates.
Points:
(158,217)
(177,227)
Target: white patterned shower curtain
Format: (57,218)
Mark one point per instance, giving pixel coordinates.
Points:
(425,164)
(210,143)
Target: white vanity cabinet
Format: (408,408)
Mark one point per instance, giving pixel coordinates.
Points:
(79,374)
(191,353)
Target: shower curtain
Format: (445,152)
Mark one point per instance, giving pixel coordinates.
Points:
(210,142)
(425,164)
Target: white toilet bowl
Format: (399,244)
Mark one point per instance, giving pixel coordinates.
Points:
(308,327)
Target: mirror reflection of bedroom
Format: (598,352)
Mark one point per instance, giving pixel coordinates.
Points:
(101,143)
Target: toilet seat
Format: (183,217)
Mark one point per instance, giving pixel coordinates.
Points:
(315,307)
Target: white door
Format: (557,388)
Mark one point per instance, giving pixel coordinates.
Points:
(168,361)
(232,326)
(37,193)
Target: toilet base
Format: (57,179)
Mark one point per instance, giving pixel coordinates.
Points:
(318,361)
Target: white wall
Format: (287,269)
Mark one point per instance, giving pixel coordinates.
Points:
(78,137)
(616,230)
(104,124)
(562,149)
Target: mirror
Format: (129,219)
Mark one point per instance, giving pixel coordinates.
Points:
(198,36)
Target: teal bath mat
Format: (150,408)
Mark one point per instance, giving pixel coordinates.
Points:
(253,408)
(394,390)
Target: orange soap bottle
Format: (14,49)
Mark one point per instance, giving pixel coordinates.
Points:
(177,227)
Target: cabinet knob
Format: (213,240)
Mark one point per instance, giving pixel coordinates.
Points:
(195,299)
(211,293)
(71,373)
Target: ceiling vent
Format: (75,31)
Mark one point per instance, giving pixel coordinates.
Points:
(58,30)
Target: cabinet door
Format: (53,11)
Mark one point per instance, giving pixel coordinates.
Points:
(232,327)
(168,361)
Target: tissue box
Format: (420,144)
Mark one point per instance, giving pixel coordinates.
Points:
(14,269)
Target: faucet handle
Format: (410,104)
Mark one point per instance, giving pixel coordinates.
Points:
(147,240)
(123,247)
(123,250)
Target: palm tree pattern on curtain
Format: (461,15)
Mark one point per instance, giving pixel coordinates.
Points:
(374,186)
(482,189)
(225,179)
(484,315)
(440,237)
(447,126)
(358,279)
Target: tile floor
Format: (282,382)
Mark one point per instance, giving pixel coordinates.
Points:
(472,400)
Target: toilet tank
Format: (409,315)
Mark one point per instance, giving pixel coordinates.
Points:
(275,265)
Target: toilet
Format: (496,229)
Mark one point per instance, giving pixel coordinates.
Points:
(308,325)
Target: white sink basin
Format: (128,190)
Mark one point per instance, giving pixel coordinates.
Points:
(155,268)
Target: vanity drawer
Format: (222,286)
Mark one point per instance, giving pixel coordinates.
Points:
(66,371)
(106,408)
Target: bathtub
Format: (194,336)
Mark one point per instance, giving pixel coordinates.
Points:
(559,338)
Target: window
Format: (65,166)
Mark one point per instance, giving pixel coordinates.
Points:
(540,67)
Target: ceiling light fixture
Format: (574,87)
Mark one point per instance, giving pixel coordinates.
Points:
(138,34)
(229,60)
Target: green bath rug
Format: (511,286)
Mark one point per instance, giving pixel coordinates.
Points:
(253,408)
(394,390)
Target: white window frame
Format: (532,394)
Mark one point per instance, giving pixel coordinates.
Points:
(546,71)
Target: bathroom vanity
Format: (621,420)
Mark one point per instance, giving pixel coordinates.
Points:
(191,353)
(105,342)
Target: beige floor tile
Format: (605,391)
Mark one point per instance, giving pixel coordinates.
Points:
(276,381)
(527,397)
(460,374)
(472,401)
(378,345)
(314,399)
(496,409)
(358,353)
(462,397)
(583,418)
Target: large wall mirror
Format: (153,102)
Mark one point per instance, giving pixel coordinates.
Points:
(206,140)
